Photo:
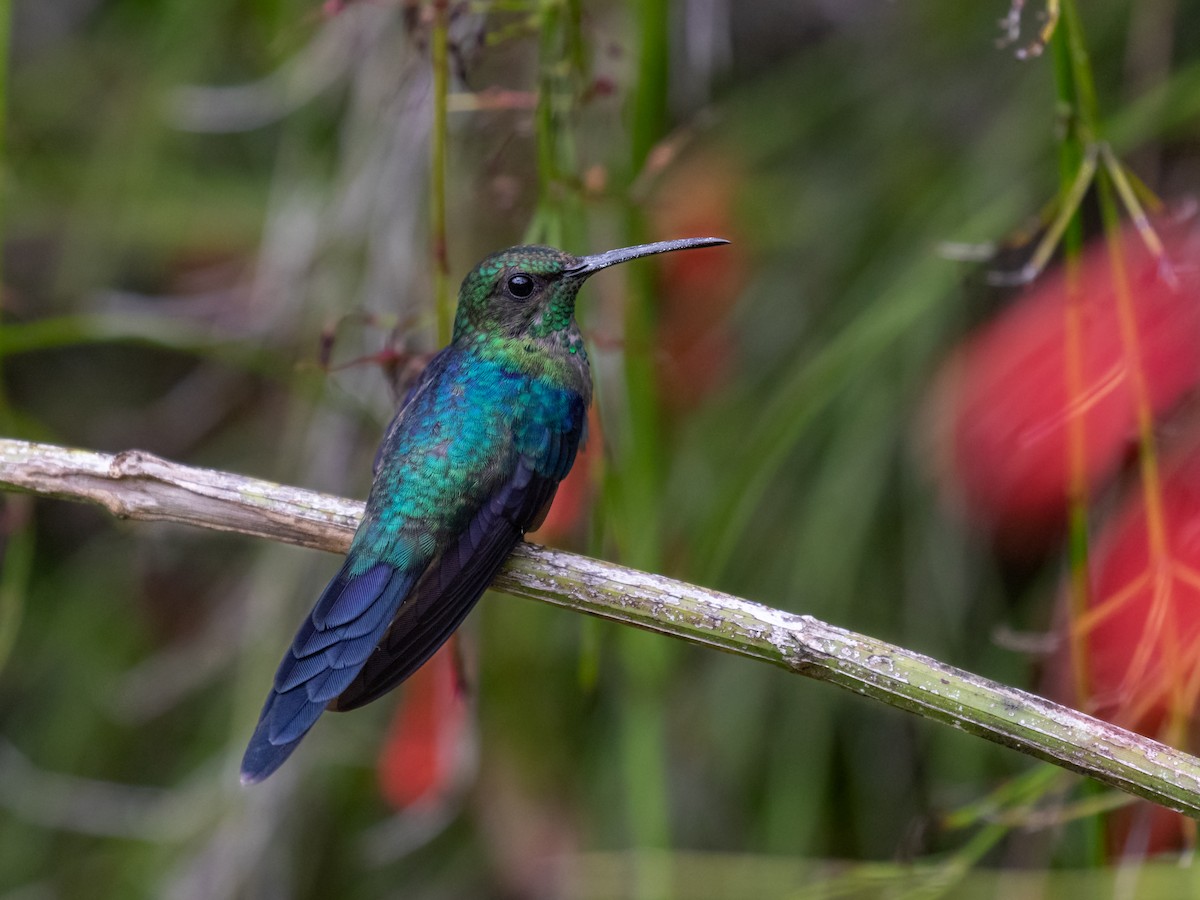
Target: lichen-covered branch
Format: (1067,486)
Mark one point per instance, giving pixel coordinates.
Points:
(138,485)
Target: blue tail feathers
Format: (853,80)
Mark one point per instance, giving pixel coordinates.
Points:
(328,651)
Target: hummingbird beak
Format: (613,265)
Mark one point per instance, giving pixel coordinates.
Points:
(589,265)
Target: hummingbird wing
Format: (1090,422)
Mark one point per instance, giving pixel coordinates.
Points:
(467,465)
(330,647)
(462,571)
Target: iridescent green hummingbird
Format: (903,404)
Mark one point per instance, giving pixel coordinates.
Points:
(468,465)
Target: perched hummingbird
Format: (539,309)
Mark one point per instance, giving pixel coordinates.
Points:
(468,465)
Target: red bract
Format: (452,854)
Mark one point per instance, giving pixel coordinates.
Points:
(694,344)
(1140,634)
(1006,405)
(427,734)
(1142,628)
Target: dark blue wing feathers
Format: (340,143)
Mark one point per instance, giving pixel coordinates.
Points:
(335,640)
(350,596)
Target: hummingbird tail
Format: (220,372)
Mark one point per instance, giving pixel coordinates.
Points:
(327,653)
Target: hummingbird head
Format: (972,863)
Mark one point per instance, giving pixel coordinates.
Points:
(529,292)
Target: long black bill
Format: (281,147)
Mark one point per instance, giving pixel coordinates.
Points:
(597,261)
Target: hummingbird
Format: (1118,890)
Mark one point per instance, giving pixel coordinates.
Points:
(470,463)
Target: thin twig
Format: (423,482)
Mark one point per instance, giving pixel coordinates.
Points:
(440,54)
(138,485)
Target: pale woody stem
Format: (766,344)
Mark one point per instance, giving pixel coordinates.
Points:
(138,485)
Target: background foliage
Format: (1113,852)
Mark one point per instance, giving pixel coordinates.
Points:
(211,210)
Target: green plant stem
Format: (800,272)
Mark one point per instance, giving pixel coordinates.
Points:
(650,95)
(1079,119)
(641,464)
(1076,87)
(1077,101)
(640,478)
(1083,84)
(559,219)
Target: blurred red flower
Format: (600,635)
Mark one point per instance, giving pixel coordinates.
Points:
(1140,635)
(1141,630)
(1004,403)
(695,346)
(425,742)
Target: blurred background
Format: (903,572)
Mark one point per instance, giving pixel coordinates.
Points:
(222,225)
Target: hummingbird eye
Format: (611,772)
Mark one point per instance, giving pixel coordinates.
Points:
(520,286)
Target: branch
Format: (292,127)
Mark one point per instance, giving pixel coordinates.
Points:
(137,485)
